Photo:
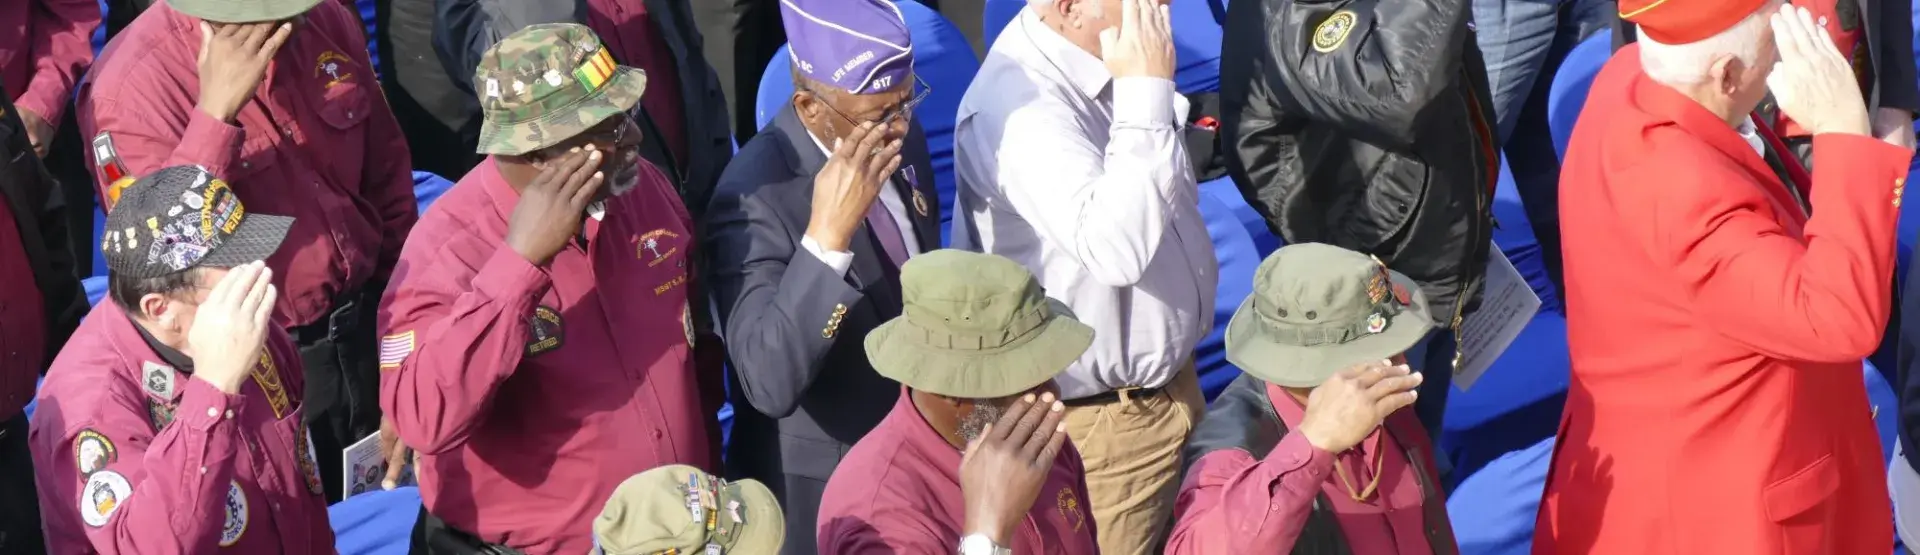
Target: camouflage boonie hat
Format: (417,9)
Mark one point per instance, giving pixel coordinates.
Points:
(547,83)
(975,326)
(1317,309)
(680,509)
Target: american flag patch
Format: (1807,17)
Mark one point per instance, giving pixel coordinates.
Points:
(394,349)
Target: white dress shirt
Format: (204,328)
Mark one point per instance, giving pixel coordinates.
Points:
(1084,179)
(839,261)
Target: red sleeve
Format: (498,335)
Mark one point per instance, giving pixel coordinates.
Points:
(453,329)
(883,532)
(62,49)
(1231,503)
(174,482)
(1821,298)
(141,139)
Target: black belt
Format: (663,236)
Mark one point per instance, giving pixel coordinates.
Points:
(1113,396)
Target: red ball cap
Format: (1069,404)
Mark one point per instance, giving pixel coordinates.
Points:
(1685,21)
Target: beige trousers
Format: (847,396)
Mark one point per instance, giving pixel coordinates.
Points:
(1131,450)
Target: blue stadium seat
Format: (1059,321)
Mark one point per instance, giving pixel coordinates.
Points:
(1570,84)
(1196,40)
(427,187)
(941,57)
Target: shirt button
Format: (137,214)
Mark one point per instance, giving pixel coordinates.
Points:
(246,165)
(229,414)
(213,412)
(203,470)
(657,434)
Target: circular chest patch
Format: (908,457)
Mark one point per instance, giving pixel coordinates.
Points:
(236,523)
(104,493)
(1333,32)
(92,452)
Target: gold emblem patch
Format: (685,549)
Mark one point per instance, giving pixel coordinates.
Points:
(1333,32)
(545,331)
(1069,505)
(92,452)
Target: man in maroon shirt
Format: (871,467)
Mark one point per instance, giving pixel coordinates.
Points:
(978,344)
(44,48)
(538,339)
(276,96)
(1310,452)
(172,422)
(40,304)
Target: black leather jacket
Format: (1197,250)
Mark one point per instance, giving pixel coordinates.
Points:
(1365,124)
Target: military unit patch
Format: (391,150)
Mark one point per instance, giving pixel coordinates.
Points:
(329,64)
(1069,505)
(1332,33)
(267,376)
(649,244)
(236,521)
(92,452)
(157,379)
(545,331)
(303,455)
(105,491)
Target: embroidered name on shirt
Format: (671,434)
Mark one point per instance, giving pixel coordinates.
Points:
(670,284)
(267,376)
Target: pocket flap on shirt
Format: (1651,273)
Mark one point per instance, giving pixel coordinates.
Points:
(345,105)
(1802,490)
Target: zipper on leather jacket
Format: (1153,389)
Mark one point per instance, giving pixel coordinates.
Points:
(1470,273)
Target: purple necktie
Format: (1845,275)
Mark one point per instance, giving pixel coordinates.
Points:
(884,228)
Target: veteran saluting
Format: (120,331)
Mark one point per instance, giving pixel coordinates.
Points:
(1716,329)
(171,422)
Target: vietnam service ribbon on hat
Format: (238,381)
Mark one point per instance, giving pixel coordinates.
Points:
(595,72)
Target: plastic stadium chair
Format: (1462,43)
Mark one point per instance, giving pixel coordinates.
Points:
(941,57)
(427,187)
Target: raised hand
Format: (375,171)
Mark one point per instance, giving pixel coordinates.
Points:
(230,328)
(1813,83)
(1142,45)
(1345,410)
(233,60)
(550,207)
(846,187)
(1002,470)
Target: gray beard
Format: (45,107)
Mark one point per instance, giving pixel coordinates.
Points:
(975,423)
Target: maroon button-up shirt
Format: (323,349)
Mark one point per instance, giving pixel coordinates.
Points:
(898,491)
(133,455)
(635,39)
(44,47)
(530,391)
(1232,503)
(317,142)
(23,321)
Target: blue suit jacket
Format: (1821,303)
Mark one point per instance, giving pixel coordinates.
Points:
(802,388)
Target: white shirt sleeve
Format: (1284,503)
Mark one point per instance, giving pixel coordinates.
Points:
(838,260)
(1107,208)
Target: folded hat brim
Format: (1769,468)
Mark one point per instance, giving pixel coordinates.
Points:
(766,526)
(256,238)
(250,11)
(896,352)
(1287,365)
(620,94)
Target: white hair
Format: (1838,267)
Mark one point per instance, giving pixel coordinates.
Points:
(1687,64)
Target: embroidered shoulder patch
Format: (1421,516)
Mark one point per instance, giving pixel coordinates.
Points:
(236,522)
(546,331)
(104,492)
(92,452)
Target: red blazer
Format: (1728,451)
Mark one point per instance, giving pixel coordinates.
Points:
(1716,332)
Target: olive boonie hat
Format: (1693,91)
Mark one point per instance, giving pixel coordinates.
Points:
(680,509)
(547,83)
(975,326)
(242,11)
(182,217)
(1317,309)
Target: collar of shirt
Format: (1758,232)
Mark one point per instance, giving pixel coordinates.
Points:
(920,436)
(1084,70)
(180,361)
(1752,136)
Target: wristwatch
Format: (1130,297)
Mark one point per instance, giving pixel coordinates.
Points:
(980,544)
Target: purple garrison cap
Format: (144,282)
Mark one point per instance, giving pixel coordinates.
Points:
(859,46)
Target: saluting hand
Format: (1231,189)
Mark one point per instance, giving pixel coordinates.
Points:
(1142,44)
(1345,410)
(233,60)
(550,208)
(231,326)
(845,188)
(1002,470)
(1813,83)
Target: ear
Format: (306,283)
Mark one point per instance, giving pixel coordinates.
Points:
(155,307)
(807,105)
(1725,73)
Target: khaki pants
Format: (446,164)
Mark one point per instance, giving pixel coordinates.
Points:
(1131,450)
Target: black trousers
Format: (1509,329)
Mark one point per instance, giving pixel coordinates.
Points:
(342,379)
(19,504)
(432,536)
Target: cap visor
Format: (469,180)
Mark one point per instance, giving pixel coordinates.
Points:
(251,11)
(1308,366)
(621,93)
(978,374)
(257,237)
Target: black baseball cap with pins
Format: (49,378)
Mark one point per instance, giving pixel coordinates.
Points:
(180,218)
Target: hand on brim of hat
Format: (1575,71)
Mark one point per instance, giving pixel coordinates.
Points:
(550,208)
(1002,470)
(230,327)
(845,188)
(1142,44)
(1348,406)
(233,60)
(1813,82)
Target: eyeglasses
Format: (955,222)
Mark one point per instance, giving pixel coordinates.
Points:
(904,110)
